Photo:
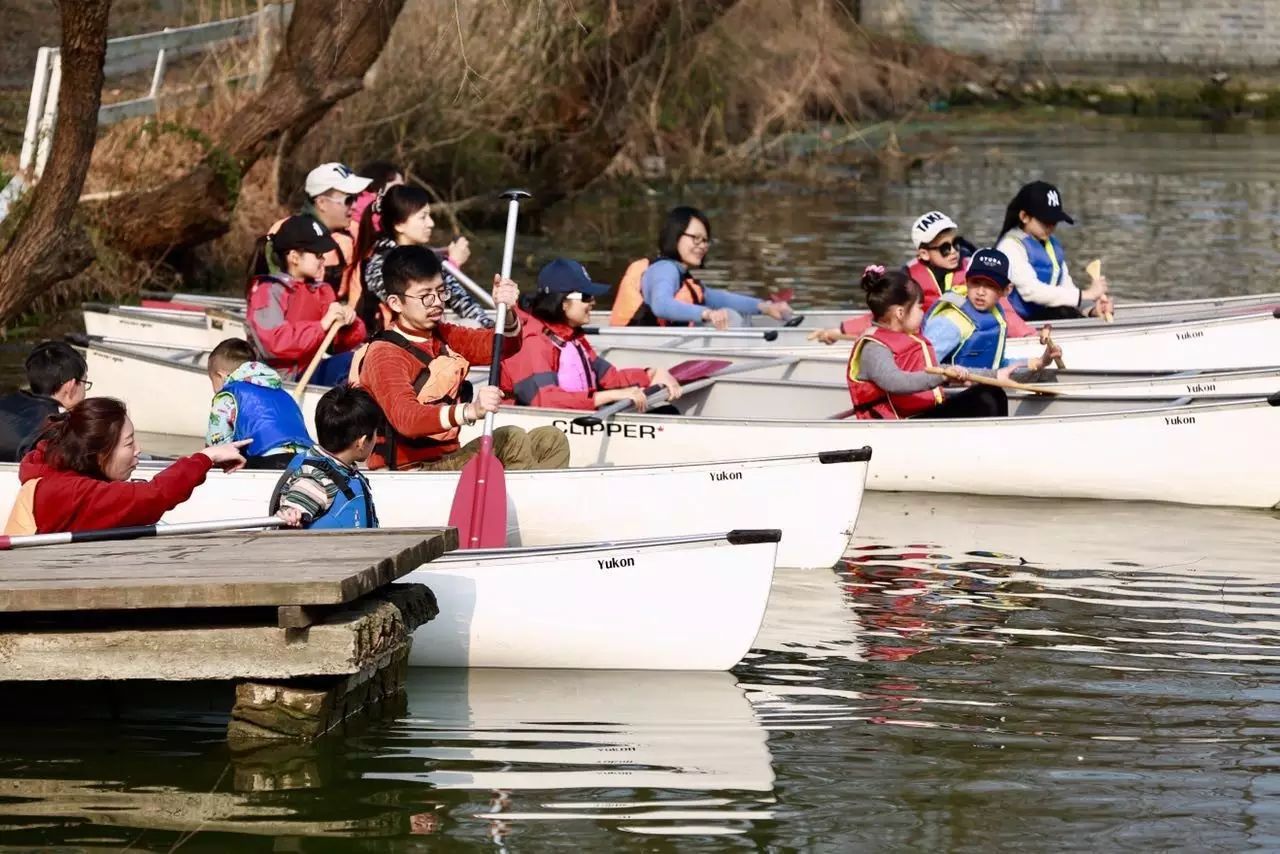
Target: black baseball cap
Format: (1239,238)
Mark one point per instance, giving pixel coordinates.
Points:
(304,233)
(989,264)
(565,276)
(1043,201)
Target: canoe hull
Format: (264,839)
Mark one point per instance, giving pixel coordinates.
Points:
(692,606)
(1189,454)
(606,503)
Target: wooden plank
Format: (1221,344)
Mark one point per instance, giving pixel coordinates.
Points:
(249,569)
(348,641)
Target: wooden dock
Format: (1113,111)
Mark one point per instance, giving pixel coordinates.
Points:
(309,626)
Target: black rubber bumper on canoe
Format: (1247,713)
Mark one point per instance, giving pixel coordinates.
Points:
(1276,313)
(853,455)
(1274,400)
(747,536)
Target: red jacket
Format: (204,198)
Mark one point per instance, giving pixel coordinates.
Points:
(70,501)
(285,315)
(531,376)
(425,431)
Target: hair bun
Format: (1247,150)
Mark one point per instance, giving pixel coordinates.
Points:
(872,277)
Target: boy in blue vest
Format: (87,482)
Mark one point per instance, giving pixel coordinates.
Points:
(323,484)
(249,402)
(970,330)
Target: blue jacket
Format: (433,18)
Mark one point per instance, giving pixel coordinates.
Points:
(352,506)
(268,416)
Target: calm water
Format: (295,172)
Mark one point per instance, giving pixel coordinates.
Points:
(979,674)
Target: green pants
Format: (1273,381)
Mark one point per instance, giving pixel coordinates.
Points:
(540,448)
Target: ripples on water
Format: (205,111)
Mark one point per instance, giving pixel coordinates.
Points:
(979,674)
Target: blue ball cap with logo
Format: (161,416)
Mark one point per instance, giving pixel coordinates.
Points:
(565,276)
(990,264)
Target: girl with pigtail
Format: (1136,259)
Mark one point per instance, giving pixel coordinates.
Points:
(402,214)
(887,377)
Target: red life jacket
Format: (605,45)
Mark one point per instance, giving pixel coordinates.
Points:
(923,276)
(910,353)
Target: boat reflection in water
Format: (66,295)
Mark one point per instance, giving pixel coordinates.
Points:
(639,745)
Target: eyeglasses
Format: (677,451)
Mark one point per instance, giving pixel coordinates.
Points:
(944,249)
(698,239)
(426,296)
(87,385)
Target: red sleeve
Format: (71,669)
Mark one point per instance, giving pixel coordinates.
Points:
(624,378)
(351,336)
(476,345)
(530,377)
(388,374)
(284,341)
(856,325)
(1018,328)
(114,504)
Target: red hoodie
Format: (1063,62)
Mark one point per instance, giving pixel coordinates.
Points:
(530,375)
(70,501)
(285,315)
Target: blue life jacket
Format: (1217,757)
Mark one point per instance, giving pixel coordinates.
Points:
(352,507)
(1048,263)
(982,333)
(268,416)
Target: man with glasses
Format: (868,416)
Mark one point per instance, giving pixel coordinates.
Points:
(56,380)
(417,373)
(331,192)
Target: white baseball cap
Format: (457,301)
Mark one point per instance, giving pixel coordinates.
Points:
(929,226)
(334,176)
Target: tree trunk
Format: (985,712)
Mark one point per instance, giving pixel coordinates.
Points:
(329,47)
(48,245)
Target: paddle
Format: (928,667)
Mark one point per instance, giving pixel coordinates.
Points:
(700,371)
(998,382)
(135,532)
(1094,269)
(305,379)
(467,282)
(480,503)
(680,331)
(1046,338)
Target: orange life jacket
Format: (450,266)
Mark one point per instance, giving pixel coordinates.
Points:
(22,518)
(910,353)
(629,307)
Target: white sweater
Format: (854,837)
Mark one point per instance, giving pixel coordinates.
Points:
(1023,275)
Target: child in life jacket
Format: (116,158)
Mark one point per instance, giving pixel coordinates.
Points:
(249,402)
(886,374)
(556,365)
(1043,287)
(288,314)
(971,330)
(665,292)
(940,266)
(323,484)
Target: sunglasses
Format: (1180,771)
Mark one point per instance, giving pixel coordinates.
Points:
(944,249)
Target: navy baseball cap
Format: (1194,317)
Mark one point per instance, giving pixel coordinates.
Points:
(1043,201)
(564,276)
(989,264)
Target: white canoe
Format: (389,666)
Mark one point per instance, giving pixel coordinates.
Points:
(549,508)
(678,603)
(1244,341)
(1126,313)
(185,330)
(831,367)
(1192,453)
(519,730)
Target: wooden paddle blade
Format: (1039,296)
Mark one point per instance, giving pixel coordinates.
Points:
(697,369)
(1094,268)
(483,526)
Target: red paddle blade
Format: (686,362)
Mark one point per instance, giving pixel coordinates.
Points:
(784,295)
(480,504)
(697,369)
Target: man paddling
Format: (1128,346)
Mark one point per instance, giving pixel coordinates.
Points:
(417,369)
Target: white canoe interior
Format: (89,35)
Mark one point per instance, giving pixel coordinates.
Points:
(1186,452)
(551,508)
(1243,341)
(691,603)
(832,368)
(517,730)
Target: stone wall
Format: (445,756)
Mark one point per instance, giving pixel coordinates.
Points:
(1190,34)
